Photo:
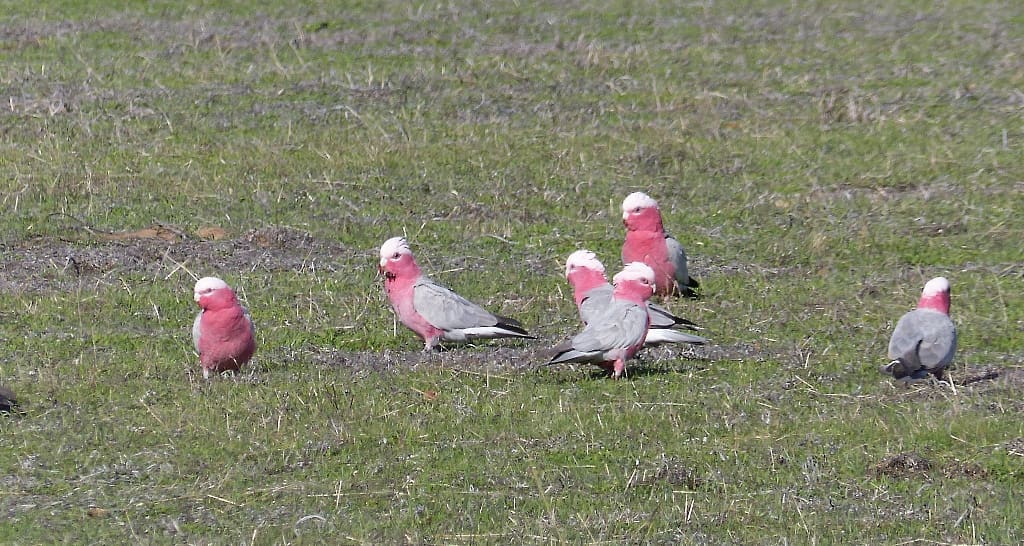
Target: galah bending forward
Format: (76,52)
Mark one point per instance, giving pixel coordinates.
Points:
(924,340)
(432,311)
(647,242)
(616,334)
(593,294)
(223,332)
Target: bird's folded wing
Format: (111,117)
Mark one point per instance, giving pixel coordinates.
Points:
(446,309)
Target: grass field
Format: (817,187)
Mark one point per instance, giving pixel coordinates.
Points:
(819,160)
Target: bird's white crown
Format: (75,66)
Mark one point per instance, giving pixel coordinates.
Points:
(635,271)
(585,259)
(638,200)
(394,245)
(938,285)
(206,285)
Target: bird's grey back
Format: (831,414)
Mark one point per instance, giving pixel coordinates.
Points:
(677,256)
(619,326)
(195,331)
(934,331)
(446,309)
(595,302)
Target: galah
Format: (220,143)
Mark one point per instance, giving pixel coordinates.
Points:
(924,340)
(647,242)
(8,401)
(593,294)
(617,333)
(223,332)
(432,311)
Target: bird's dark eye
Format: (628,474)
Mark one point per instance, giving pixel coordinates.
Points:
(395,257)
(636,209)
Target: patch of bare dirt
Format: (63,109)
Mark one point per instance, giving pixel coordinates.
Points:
(50,264)
(495,357)
(1014,447)
(8,401)
(673,472)
(903,465)
(913,464)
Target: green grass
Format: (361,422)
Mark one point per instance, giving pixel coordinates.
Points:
(820,162)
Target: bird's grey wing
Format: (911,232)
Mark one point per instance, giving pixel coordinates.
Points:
(195,331)
(663,318)
(595,302)
(905,367)
(905,336)
(622,325)
(931,334)
(938,341)
(922,339)
(446,309)
(677,256)
(252,325)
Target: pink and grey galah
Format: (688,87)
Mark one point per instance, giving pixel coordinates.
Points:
(618,332)
(432,311)
(924,341)
(592,294)
(647,242)
(223,332)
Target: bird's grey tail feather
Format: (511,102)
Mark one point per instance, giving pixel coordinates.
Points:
(514,327)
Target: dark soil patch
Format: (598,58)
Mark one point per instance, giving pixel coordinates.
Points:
(1014,447)
(486,357)
(673,472)
(8,401)
(47,264)
(913,464)
(902,465)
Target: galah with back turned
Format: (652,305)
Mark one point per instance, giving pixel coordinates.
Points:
(647,242)
(616,334)
(223,332)
(593,294)
(924,340)
(432,311)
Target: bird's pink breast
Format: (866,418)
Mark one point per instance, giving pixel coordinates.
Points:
(649,247)
(226,341)
(583,281)
(400,294)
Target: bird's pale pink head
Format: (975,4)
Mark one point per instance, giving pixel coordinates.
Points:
(640,212)
(584,272)
(636,280)
(396,258)
(583,259)
(210,290)
(935,295)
